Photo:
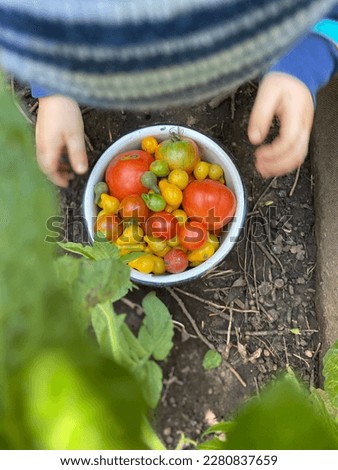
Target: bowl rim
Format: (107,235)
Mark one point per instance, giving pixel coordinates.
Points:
(198,271)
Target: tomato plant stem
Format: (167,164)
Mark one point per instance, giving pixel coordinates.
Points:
(109,315)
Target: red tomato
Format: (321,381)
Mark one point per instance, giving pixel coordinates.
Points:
(123,174)
(176,261)
(161,225)
(133,207)
(110,225)
(209,202)
(192,234)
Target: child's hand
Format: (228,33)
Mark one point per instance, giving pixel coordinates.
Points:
(287,98)
(59,130)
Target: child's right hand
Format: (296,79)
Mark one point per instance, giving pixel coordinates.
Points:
(289,99)
(59,130)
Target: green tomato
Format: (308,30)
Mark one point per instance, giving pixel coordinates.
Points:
(160,168)
(149,180)
(154,202)
(99,189)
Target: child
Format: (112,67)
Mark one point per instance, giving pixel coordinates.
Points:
(132,54)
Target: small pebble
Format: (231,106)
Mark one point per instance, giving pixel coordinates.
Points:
(167,431)
(277,249)
(308,354)
(291,289)
(279,283)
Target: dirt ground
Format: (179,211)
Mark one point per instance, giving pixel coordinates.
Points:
(257,307)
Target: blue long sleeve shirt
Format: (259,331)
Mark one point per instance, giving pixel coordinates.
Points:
(136,55)
(314,58)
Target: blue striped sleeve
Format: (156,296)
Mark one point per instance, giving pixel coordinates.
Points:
(314,59)
(135,54)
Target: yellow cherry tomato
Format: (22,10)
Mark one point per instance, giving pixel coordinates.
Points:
(174,241)
(192,264)
(149,144)
(162,253)
(144,264)
(201,170)
(171,209)
(102,212)
(179,177)
(131,235)
(171,193)
(159,266)
(203,253)
(215,172)
(126,249)
(213,240)
(222,180)
(109,204)
(180,215)
(155,244)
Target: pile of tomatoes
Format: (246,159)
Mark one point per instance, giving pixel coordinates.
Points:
(165,202)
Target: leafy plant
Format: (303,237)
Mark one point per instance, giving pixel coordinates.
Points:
(285,416)
(212,359)
(97,281)
(58,391)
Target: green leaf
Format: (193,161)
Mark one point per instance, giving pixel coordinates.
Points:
(131,256)
(330,372)
(212,444)
(107,330)
(157,330)
(295,331)
(102,280)
(75,402)
(101,249)
(223,427)
(131,345)
(212,359)
(321,400)
(67,269)
(281,418)
(57,390)
(150,376)
(78,248)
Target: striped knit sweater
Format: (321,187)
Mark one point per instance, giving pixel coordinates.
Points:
(148,53)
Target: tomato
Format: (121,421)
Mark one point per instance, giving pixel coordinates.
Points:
(179,152)
(133,207)
(161,225)
(192,235)
(149,144)
(176,261)
(201,170)
(123,174)
(110,225)
(210,202)
(179,177)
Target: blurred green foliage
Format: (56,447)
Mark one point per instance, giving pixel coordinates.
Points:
(286,415)
(57,390)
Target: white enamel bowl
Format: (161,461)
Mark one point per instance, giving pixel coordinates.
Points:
(211,152)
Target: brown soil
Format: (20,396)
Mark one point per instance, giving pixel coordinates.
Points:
(256,302)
